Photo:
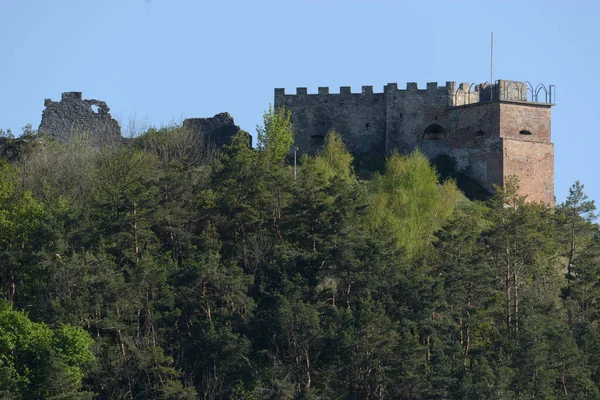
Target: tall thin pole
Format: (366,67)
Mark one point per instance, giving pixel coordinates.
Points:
(492,60)
(295,150)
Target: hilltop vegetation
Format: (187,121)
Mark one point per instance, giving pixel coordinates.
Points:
(161,269)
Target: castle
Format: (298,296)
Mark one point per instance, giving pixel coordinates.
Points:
(492,131)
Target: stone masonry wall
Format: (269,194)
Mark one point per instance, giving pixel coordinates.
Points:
(533,164)
(74,117)
(218,129)
(474,124)
(474,142)
(359,116)
(410,110)
(519,117)
(528,152)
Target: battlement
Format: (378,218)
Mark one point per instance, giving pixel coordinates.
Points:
(431,87)
(464,94)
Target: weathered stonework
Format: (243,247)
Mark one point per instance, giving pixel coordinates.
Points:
(218,129)
(491,131)
(74,117)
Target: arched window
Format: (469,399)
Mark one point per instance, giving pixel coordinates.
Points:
(525,132)
(434,132)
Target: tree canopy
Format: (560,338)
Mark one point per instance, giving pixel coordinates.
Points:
(158,269)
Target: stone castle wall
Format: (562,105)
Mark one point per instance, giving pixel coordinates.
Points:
(360,116)
(474,124)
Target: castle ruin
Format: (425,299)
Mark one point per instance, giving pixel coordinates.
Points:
(491,131)
(73,117)
(219,129)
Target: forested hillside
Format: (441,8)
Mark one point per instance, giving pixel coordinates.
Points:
(165,269)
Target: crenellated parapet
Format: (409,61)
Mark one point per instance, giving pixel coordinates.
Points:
(411,87)
(453,95)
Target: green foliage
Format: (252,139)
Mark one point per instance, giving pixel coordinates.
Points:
(409,205)
(163,270)
(276,136)
(337,157)
(38,362)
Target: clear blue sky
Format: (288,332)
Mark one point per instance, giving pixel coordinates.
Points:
(160,61)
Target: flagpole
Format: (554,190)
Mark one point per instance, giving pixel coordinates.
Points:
(492,60)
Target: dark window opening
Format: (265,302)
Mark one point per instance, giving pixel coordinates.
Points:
(367,125)
(479,133)
(434,132)
(524,132)
(317,140)
(436,118)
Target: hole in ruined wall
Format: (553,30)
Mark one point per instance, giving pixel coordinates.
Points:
(525,132)
(95,108)
(367,125)
(317,140)
(434,132)
(479,133)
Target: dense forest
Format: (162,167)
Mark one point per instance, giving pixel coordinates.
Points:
(164,268)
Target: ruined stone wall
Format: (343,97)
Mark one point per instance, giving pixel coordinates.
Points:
(74,117)
(219,129)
